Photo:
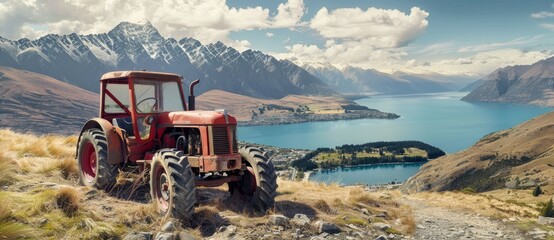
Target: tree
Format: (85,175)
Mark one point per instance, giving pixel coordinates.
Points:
(547,210)
(537,191)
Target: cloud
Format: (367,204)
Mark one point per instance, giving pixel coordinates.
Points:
(208,21)
(371,38)
(499,45)
(289,14)
(269,34)
(548,26)
(359,54)
(485,62)
(437,48)
(543,14)
(381,27)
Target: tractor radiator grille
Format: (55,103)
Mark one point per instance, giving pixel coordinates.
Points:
(235,143)
(221,140)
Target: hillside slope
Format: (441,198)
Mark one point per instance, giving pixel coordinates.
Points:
(37,103)
(520,157)
(41,199)
(526,84)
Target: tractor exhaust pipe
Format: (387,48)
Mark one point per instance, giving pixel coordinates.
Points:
(192,98)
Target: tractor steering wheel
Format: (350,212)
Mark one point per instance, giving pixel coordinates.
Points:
(143,100)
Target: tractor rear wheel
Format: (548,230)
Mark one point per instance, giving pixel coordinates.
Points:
(258,184)
(94,169)
(172,184)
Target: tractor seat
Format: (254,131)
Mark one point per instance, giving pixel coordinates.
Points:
(124,123)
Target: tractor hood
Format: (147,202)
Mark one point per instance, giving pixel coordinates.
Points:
(196,118)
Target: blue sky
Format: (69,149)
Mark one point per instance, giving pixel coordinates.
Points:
(449,37)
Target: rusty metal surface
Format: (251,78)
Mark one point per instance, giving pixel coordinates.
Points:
(216,182)
(141,74)
(218,163)
(115,150)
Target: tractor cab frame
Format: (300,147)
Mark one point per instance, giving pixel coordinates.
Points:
(145,122)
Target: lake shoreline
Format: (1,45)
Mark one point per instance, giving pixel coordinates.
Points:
(284,119)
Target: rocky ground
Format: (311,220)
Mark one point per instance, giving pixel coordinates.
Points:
(438,222)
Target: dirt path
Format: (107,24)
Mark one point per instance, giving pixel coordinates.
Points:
(433,222)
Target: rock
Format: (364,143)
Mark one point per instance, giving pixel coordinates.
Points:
(383,215)
(392,236)
(513,184)
(297,234)
(164,236)
(168,227)
(352,226)
(278,220)
(138,236)
(359,235)
(381,226)
(419,226)
(226,231)
(185,236)
(107,208)
(382,237)
(365,211)
(546,220)
(300,220)
(327,227)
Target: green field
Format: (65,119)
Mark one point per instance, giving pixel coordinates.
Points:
(337,156)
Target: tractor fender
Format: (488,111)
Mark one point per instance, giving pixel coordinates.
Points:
(114,140)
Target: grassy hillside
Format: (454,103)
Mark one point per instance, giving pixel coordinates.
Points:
(40,198)
(41,104)
(519,158)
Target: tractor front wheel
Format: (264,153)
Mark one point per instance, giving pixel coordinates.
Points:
(94,169)
(258,184)
(172,184)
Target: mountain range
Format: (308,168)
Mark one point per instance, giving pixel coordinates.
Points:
(522,84)
(82,59)
(355,80)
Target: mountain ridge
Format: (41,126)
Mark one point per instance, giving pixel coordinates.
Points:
(355,80)
(82,59)
(514,158)
(522,84)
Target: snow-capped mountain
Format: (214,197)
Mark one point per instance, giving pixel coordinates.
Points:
(355,80)
(82,59)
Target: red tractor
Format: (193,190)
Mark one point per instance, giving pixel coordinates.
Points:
(145,123)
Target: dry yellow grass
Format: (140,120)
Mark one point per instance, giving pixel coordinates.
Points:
(7,170)
(343,202)
(50,202)
(68,199)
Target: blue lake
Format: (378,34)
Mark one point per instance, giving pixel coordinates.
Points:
(438,119)
(367,174)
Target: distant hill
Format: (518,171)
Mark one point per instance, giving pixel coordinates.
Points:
(474,85)
(82,59)
(520,157)
(290,109)
(354,80)
(525,84)
(36,103)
